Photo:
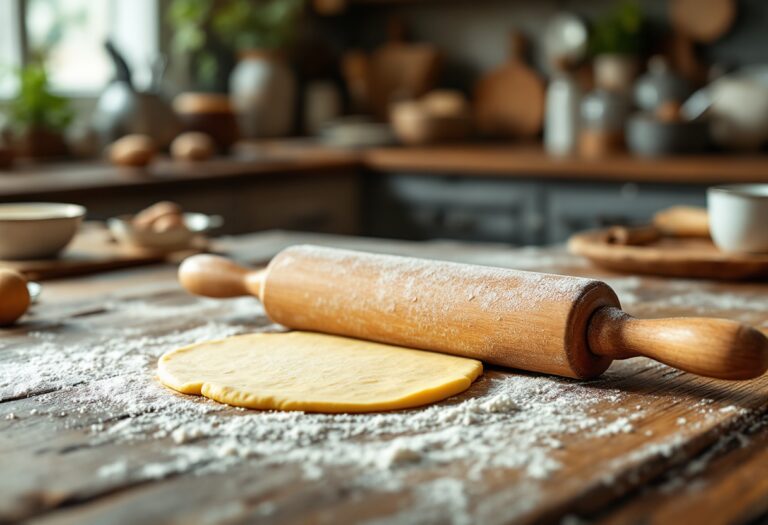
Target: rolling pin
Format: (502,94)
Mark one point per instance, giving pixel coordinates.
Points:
(568,326)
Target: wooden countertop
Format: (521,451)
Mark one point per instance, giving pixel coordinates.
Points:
(532,162)
(307,157)
(79,446)
(76,176)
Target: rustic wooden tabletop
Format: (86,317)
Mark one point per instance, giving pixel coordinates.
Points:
(87,435)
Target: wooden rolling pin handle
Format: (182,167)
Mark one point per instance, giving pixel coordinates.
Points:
(214,276)
(717,348)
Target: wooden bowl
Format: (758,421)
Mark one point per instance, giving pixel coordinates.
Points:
(414,126)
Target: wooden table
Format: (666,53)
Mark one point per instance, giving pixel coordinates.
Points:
(87,440)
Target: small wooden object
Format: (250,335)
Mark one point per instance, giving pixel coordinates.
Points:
(509,102)
(91,251)
(683,221)
(399,70)
(686,257)
(547,323)
(702,20)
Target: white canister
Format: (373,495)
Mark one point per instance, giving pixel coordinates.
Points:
(561,117)
(263,92)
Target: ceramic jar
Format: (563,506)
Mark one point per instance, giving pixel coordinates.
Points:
(603,114)
(263,91)
(659,85)
(209,113)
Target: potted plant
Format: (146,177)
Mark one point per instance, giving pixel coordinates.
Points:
(615,43)
(37,116)
(262,86)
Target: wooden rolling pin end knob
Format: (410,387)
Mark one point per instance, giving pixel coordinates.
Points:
(718,348)
(214,276)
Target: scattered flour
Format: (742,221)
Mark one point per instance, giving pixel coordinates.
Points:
(506,421)
(517,422)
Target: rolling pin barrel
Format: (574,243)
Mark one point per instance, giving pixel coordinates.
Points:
(546,323)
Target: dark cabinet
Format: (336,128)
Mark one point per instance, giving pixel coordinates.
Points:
(509,210)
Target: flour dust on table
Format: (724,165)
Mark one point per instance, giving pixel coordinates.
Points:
(96,374)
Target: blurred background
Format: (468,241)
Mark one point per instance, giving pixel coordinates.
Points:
(519,122)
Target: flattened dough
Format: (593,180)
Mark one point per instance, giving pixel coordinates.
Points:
(315,373)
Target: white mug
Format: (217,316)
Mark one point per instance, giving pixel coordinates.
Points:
(738,217)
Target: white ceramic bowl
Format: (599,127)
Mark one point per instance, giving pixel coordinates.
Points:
(37,230)
(196,223)
(738,217)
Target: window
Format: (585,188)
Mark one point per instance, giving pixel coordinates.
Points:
(72,33)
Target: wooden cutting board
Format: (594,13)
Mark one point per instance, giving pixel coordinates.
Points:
(703,21)
(398,70)
(92,251)
(509,102)
(669,256)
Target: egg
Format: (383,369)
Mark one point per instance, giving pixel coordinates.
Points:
(14,296)
(193,146)
(132,150)
(147,217)
(168,223)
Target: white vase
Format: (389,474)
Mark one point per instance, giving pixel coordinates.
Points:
(263,88)
(561,116)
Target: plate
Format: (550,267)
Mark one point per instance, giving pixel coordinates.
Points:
(695,258)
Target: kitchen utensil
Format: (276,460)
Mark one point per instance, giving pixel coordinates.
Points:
(685,257)
(738,216)
(509,102)
(34,230)
(123,110)
(702,20)
(540,322)
(195,224)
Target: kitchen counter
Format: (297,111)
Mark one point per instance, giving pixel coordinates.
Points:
(532,162)
(263,159)
(77,177)
(88,436)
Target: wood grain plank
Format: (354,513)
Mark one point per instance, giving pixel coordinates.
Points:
(53,464)
(725,485)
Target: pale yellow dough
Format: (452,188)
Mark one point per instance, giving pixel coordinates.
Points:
(315,373)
